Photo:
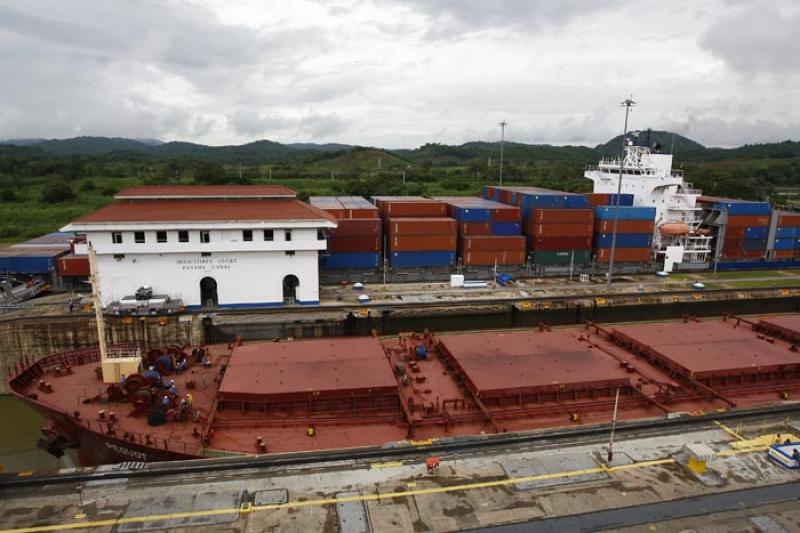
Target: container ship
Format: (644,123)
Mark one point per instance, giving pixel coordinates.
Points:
(125,403)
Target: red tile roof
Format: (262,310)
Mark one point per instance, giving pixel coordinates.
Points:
(203,211)
(210,191)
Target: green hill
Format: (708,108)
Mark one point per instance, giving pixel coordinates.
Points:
(667,141)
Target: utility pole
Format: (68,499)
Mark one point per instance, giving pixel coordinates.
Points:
(503,125)
(628,103)
(613,429)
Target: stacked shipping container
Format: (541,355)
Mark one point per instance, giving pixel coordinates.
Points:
(787,236)
(489,232)
(746,227)
(558,225)
(634,239)
(357,241)
(597,199)
(419,232)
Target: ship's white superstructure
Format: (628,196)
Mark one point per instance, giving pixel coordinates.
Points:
(649,177)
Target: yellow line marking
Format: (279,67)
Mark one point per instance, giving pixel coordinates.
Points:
(728,430)
(250,508)
(388,464)
(426,442)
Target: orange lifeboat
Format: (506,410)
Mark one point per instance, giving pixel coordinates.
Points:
(675,228)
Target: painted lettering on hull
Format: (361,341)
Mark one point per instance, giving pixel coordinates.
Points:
(127,452)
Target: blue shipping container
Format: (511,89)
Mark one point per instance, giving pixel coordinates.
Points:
(756,232)
(786,244)
(422,259)
(506,228)
(343,260)
(625,213)
(27,264)
(745,208)
(470,214)
(624,240)
(787,233)
(754,244)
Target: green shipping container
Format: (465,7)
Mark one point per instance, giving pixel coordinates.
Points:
(561,257)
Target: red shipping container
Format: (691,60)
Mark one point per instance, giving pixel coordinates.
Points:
(559,216)
(743,254)
(362,213)
(357,226)
(73,266)
(749,221)
(598,199)
(336,212)
(623,255)
(561,243)
(784,254)
(789,220)
(561,230)
(506,214)
(624,226)
(354,243)
(492,258)
(422,226)
(494,243)
(413,208)
(735,233)
(422,243)
(475,228)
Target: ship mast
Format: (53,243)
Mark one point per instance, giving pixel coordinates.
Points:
(97,302)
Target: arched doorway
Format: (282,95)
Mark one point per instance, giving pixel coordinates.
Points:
(208,292)
(290,284)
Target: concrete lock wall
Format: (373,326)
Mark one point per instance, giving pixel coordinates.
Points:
(40,337)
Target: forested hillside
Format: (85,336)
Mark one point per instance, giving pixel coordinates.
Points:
(45,183)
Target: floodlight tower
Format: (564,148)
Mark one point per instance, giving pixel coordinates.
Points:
(503,125)
(628,103)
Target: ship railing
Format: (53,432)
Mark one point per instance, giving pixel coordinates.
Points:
(30,365)
(170,444)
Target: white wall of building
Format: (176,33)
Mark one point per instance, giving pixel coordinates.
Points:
(243,278)
(247,273)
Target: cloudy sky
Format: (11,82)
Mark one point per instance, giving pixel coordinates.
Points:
(399,73)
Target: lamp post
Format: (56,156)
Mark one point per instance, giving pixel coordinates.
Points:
(628,103)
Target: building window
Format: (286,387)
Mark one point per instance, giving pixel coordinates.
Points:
(161,236)
(288,235)
(116,237)
(205,236)
(290,253)
(183,236)
(205,254)
(320,235)
(138,237)
(269,235)
(247,235)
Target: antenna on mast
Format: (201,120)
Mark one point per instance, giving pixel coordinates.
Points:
(503,125)
(627,103)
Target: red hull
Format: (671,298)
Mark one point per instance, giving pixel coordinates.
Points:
(95,448)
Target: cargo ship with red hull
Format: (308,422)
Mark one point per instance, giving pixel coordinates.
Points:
(356,392)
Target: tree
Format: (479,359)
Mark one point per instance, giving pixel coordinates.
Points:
(209,172)
(88,185)
(57,192)
(8,195)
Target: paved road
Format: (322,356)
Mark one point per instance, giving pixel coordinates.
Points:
(657,512)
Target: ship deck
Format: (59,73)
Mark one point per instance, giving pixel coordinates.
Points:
(361,392)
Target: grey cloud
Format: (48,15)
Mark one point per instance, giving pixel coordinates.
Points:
(453,18)
(312,125)
(758,37)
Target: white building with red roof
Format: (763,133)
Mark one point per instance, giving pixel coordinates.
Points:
(209,245)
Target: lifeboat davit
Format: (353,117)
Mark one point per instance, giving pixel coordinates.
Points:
(674,228)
